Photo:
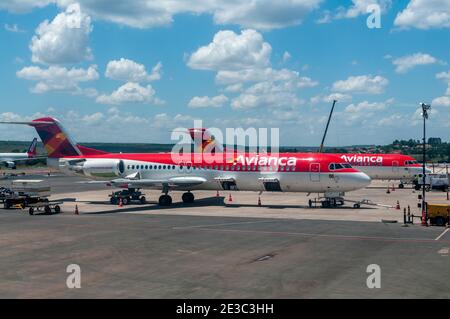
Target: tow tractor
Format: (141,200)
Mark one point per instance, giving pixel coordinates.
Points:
(334,200)
(29,193)
(127,195)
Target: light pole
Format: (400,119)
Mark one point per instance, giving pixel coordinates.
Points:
(425,109)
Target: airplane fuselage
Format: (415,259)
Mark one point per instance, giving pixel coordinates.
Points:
(287,172)
(384,166)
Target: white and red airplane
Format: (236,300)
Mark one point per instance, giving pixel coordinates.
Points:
(286,172)
(377,166)
(10,159)
(386,166)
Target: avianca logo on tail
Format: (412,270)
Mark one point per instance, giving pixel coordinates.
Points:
(266,160)
(362,159)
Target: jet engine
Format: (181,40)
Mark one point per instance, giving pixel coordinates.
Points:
(103,168)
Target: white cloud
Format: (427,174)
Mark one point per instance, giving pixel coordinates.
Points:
(131,92)
(64,39)
(231,51)
(365,107)
(286,56)
(56,78)
(364,84)
(266,74)
(129,71)
(424,14)
(234,88)
(408,62)
(13,28)
(244,59)
(325,18)
(266,94)
(359,8)
(340,97)
(393,120)
(441,101)
(445,76)
(23,6)
(258,14)
(206,101)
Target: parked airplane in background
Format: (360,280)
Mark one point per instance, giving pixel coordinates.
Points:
(10,160)
(286,172)
(386,166)
(376,166)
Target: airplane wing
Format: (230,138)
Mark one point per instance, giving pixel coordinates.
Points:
(25,159)
(172,183)
(133,181)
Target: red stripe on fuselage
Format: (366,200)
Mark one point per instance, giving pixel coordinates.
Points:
(378,160)
(302,160)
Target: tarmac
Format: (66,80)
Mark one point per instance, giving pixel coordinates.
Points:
(215,248)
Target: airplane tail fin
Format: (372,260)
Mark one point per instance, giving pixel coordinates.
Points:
(204,141)
(32,149)
(56,141)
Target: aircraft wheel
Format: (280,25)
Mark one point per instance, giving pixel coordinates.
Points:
(113,201)
(165,200)
(31,211)
(48,210)
(356,206)
(143,200)
(57,209)
(310,203)
(401,186)
(188,197)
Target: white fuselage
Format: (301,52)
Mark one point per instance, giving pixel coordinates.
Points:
(245,180)
(10,157)
(390,172)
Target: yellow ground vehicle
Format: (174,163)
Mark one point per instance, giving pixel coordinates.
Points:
(438,214)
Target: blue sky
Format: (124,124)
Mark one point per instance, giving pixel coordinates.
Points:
(132,73)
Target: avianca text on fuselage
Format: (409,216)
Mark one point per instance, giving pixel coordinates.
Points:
(362,159)
(266,160)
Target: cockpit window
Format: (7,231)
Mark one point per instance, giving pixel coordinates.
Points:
(336,166)
(411,162)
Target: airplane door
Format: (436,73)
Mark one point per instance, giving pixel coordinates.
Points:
(395,166)
(314,172)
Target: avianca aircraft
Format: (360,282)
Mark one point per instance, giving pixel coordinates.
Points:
(376,166)
(10,159)
(287,172)
(386,166)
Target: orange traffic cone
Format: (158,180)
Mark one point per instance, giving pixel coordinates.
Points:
(230,199)
(388,191)
(259,200)
(76,210)
(120,202)
(398,205)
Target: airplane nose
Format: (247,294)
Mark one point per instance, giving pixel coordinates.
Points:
(360,180)
(353,181)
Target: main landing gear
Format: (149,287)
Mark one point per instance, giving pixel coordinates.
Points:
(166,200)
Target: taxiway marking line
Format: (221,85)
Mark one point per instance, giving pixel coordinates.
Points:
(347,237)
(442,234)
(223,224)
